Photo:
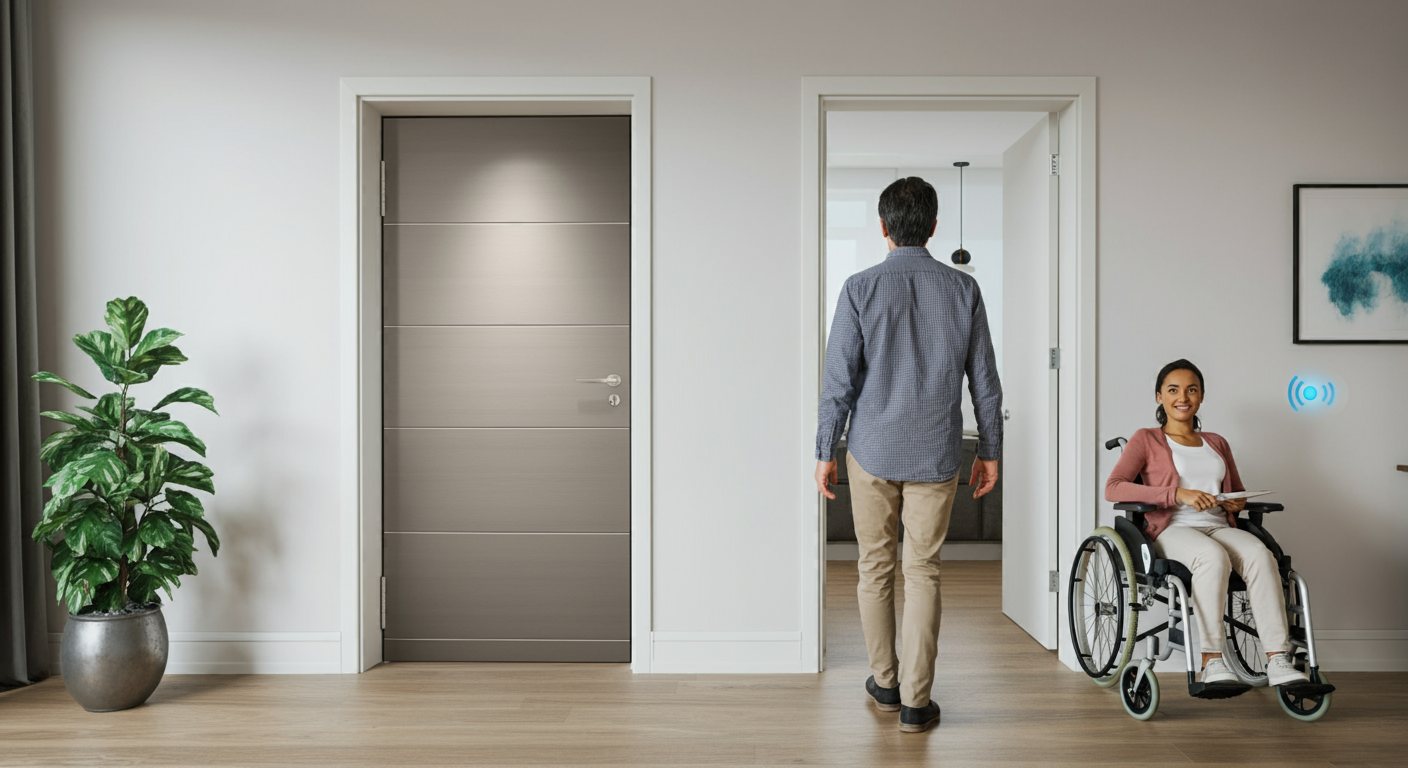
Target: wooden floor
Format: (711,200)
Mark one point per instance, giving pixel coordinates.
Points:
(1006,702)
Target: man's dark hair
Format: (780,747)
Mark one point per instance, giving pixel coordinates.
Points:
(909,208)
(1176,365)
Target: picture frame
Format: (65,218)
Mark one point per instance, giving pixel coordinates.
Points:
(1350,264)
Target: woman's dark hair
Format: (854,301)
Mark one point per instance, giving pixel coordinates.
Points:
(1176,365)
(909,208)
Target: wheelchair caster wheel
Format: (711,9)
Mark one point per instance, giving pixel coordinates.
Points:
(1305,708)
(1143,701)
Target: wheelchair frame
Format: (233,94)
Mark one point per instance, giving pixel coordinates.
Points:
(1137,582)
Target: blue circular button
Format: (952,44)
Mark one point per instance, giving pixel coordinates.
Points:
(1310,393)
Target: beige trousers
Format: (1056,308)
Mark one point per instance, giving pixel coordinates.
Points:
(1212,554)
(875,505)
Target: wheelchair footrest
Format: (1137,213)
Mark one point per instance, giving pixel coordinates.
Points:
(1308,689)
(1217,690)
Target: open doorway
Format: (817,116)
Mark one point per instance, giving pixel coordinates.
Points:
(997,206)
(1047,317)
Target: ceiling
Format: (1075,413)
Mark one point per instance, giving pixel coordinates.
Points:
(922,139)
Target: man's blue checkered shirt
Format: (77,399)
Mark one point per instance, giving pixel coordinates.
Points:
(906,332)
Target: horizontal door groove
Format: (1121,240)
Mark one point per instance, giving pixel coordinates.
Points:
(498,223)
(506,427)
(507,533)
(510,325)
(500,640)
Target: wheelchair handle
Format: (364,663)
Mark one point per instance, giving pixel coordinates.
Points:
(1118,442)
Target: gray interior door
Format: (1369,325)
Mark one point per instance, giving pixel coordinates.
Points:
(507,480)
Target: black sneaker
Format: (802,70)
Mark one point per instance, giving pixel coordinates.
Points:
(886,699)
(917,719)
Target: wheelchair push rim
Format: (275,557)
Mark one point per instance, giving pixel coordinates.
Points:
(1244,655)
(1098,603)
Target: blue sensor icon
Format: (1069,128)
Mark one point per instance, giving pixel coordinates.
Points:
(1303,394)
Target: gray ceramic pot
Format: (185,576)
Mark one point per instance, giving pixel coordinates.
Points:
(114,662)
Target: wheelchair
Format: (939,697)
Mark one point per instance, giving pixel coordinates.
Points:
(1116,576)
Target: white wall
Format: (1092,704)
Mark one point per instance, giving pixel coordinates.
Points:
(189,155)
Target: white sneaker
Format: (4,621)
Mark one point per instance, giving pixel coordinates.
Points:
(1279,671)
(1217,672)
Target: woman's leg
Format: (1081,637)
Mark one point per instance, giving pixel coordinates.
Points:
(1257,565)
(1211,568)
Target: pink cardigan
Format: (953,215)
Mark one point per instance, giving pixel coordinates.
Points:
(1148,454)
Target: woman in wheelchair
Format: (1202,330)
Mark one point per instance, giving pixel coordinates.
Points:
(1182,470)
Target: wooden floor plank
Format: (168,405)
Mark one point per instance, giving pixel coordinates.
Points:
(1007,704)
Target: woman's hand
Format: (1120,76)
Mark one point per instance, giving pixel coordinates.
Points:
(1196,499)
(1234,505)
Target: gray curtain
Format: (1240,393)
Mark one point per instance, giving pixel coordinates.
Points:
(24,656)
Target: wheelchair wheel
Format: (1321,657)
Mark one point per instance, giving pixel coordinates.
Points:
(1305,708)
(1142,701)
(1098,601)
(1244,652)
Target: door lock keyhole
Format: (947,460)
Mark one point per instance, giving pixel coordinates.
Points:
(614,399)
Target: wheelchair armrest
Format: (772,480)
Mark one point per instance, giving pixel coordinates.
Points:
(1127,506)
(1256,509)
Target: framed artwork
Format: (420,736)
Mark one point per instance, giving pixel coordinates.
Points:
(1351,264)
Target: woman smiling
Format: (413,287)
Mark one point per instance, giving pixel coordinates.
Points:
(1181,468)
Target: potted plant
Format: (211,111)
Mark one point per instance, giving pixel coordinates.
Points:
(117,529)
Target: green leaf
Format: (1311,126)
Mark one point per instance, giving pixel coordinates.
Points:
(100,346)
(108,409)
(204,527)
(157,465)
(69,418)
(126,318)
(102,467)
(44,377)
(98,534)
(156,530)
(185,503)
(127,376)
(60,448)
(148,363)
(189,395)
(132,547)
(62,562)
(191,474)
(157,338)
(172,431)
(142,588)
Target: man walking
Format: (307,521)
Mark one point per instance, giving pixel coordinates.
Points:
(906,332)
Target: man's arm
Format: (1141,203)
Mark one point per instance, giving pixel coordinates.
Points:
(986,392)
(841,378)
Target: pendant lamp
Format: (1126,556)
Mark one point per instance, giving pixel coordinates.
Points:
(961,256)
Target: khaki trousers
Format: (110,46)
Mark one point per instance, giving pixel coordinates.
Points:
(875,505)
(1212,554)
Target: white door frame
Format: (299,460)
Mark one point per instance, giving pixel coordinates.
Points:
(1073,98)
(362,103)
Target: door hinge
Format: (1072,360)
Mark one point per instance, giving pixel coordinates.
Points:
(1055,164)
(383,189)
(1055,358)
(383,602)
(1055,585)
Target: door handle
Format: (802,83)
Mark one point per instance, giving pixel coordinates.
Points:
(611,381)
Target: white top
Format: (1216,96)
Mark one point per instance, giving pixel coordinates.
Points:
(1199,469)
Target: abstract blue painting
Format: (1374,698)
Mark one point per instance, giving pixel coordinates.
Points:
(1351,263)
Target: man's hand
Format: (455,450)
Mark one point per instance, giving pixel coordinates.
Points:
(984,476)
(826,475)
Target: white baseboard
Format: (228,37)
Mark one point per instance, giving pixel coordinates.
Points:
(725,652)
(242,653)
(953,550)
